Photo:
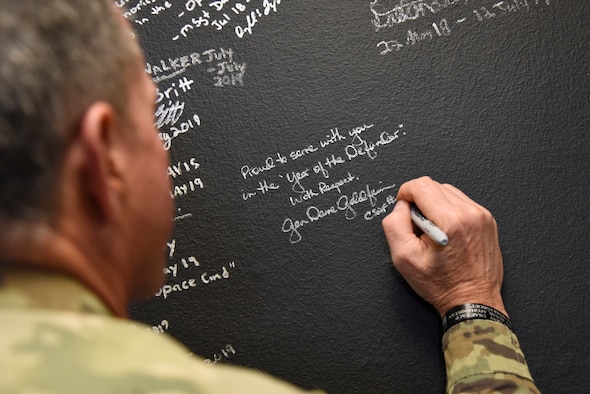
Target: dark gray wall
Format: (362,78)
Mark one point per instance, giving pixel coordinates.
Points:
(293,276)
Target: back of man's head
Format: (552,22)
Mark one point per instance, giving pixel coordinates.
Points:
(56,58)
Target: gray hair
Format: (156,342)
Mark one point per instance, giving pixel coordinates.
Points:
(57,57)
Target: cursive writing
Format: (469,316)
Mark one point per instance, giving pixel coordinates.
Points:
(345,204)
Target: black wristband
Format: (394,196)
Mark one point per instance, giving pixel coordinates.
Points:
(473,311)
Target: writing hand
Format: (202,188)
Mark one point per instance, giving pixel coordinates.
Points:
(469,269)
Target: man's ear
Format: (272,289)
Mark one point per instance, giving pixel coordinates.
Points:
(100,139)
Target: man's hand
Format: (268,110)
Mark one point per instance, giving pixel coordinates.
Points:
(467,270)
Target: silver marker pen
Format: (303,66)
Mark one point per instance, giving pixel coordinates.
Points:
(435,233)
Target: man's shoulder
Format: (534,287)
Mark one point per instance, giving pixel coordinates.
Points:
(65,352)
(39,340)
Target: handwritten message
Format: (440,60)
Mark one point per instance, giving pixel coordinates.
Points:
(318,180)
(184,273)
(206,278)
(222,355)
(170,117)
(184,179)
(221,63)
(405,14)
(242,16)
(159,328)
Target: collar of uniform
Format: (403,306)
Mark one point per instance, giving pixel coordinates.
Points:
(42,290)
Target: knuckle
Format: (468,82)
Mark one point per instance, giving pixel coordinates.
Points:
(419,185)
(424,182)
(485,215)
(470,218)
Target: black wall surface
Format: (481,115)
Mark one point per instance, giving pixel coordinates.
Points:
(291,125)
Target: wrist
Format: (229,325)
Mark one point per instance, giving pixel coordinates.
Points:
(466,312)
(452,299)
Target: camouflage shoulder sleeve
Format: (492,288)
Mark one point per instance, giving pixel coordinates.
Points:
(485,356)
(70,353)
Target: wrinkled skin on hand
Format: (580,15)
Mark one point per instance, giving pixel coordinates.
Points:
(467,270)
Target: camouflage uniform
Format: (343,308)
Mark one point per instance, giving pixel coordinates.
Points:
(482,356)
(57,337)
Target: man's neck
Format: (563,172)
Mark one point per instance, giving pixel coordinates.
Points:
(39,248)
